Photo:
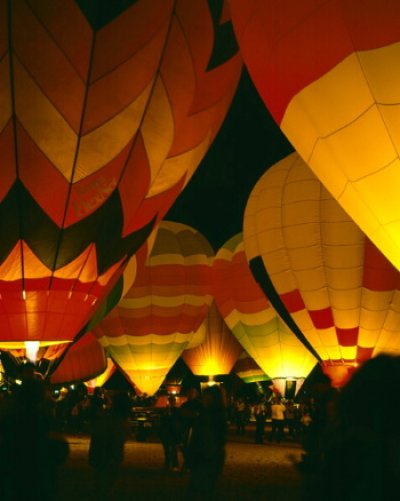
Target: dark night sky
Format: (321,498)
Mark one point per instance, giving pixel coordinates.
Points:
(248,143)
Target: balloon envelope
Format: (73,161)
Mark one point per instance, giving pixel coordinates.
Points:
(248,369)
(148,330)
(84,360)
(337,289)
(327,72)
(253,320)
(107,108)
(218,353)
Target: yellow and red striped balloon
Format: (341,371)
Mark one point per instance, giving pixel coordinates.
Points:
(253,320)
(334,286)
(219,351)
(148,330)
(106,110)
(328,73)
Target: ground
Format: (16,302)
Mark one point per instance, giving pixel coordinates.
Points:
(252,472)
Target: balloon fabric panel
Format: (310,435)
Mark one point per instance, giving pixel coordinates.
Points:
(327,72)
(160,313)
(323,267)
(84,360)
(251,317)
(218,353)
(96,144)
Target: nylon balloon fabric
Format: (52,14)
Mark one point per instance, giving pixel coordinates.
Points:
(107,109)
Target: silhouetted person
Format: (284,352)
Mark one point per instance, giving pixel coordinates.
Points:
(206,450)
(361,456)
(106,450)
(240,415)
(189,411)
(170,434)
(260,415)
(31,450)
(96,408)
(292,419)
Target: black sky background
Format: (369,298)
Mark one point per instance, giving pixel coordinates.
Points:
(248,142)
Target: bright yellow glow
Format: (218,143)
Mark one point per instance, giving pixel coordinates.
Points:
(345,125)
(21,345)
(31,349)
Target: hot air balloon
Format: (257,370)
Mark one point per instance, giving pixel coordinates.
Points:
(83,361)
(106,110)
(102,378)
(148,330)
(248,370)
(334,288)
(254,321)
(218,353)
(326,71)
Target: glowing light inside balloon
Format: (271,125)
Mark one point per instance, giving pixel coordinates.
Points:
(31,349)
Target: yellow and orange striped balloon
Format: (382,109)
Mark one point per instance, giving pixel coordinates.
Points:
(334,286)
(148,330)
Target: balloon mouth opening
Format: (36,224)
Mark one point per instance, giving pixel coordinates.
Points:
(32,349)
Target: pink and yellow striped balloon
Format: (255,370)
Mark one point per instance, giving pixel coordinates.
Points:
(253,320)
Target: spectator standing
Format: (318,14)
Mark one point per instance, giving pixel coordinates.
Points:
(170,434)
(278,420)
(31,449)
(189,411)
(240,411)
(206,450)
(106,449)
(260,415)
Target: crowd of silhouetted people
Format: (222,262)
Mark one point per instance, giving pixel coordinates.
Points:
(350,437)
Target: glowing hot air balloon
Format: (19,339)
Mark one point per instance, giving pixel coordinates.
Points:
(84,360)
(254,321)
(327,72)
(102,378)
(218,353)
(248,370)
(148,330)
(106,110)
(334,288)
